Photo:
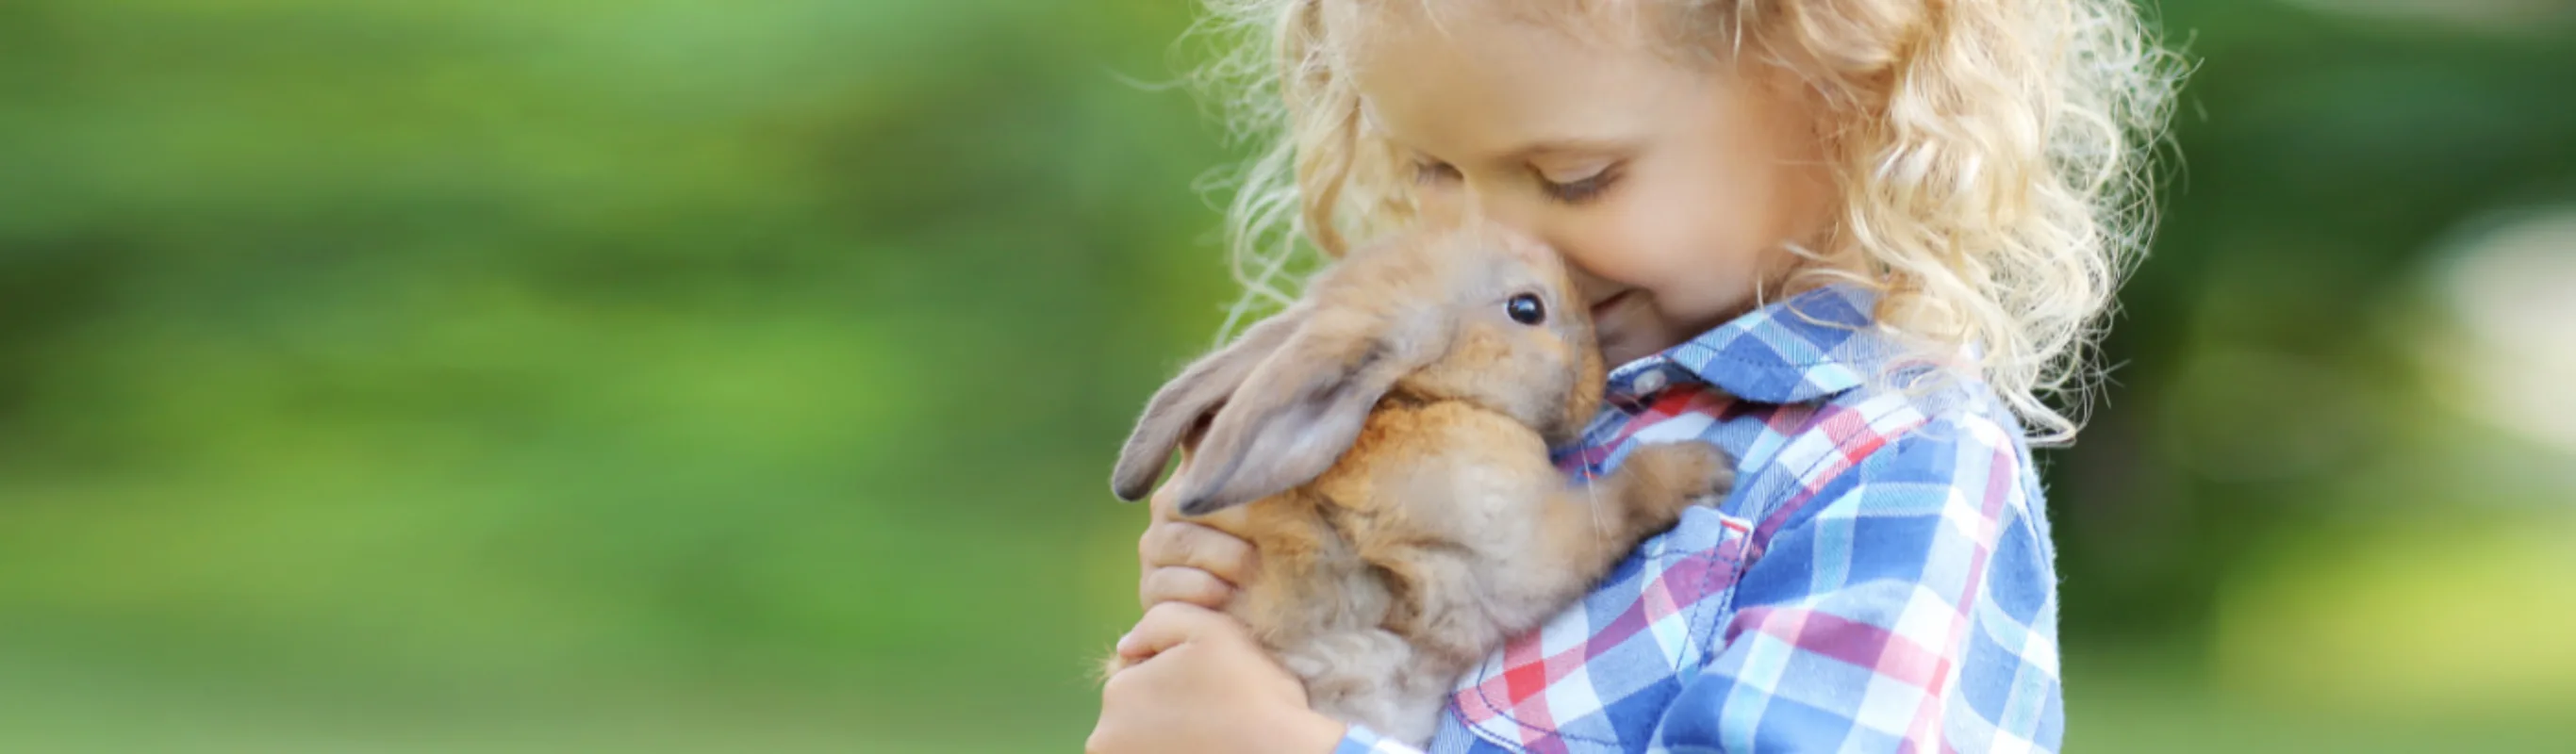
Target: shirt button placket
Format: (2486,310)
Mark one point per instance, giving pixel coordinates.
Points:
(1646,384)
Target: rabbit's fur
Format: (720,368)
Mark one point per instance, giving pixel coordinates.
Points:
(1383,445)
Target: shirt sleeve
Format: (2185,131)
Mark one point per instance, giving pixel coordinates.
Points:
(1908,604)
(1360,740)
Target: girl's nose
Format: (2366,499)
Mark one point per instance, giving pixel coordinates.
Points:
(1519,216)
(1474,201)
(1467,203)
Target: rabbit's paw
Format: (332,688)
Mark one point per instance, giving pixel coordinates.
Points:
(1665,478)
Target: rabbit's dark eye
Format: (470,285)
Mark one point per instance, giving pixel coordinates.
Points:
(1526,309)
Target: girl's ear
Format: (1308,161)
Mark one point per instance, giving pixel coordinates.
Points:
(1297,414)
(1188,398)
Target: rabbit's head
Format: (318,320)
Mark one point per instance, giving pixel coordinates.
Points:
(1474,314)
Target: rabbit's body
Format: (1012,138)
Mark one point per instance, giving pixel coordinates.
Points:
(1394,480)
(1399,569)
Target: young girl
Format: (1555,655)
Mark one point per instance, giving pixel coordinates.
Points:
(1855,243)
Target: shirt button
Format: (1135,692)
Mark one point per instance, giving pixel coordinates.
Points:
(1648,382)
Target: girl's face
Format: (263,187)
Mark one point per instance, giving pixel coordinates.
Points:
(1672,188)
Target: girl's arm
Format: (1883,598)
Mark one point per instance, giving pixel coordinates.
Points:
(1908,604)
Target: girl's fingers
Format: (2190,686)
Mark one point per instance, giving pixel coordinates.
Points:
(1169,625)
(1181,543)
(1184,585)
(1165,502)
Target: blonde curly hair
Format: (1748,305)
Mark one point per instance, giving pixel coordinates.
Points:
(1991,157)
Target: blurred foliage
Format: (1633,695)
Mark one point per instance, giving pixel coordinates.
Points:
(2322,160)
(682,376)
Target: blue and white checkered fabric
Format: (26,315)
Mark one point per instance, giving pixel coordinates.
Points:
(1880,580)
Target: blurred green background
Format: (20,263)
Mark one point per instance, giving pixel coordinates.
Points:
(660,376)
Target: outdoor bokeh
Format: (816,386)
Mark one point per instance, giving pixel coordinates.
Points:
(691,376)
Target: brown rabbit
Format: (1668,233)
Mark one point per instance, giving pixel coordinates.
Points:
(1390,435)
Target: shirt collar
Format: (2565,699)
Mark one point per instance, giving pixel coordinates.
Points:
(1808,347)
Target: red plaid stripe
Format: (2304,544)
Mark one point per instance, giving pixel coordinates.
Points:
(1679,401)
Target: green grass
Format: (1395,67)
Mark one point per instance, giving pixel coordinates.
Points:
(2158,703)
(64,704)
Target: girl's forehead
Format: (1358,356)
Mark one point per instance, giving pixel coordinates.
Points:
(1477,82)
(1609,23)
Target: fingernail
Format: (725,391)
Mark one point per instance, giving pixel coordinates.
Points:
(1123,639)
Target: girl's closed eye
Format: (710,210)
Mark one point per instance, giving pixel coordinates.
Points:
(1579,189)
(1434,171)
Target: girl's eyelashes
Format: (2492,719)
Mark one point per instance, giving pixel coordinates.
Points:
(1578,192)
(1425,172)
(1428,172)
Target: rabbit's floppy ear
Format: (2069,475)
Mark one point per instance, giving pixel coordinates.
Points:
(1298,413)
(1188,398)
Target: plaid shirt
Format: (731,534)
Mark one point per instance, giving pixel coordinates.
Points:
(1880,579)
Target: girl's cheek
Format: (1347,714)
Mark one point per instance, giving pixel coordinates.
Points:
(1695,272)
(1635,245)
(1691,239)
(1597,254)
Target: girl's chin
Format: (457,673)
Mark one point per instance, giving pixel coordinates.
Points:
(1620,338)
(1632,326)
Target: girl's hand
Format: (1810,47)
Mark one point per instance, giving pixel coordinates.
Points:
(1204,686)
(1186,562)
